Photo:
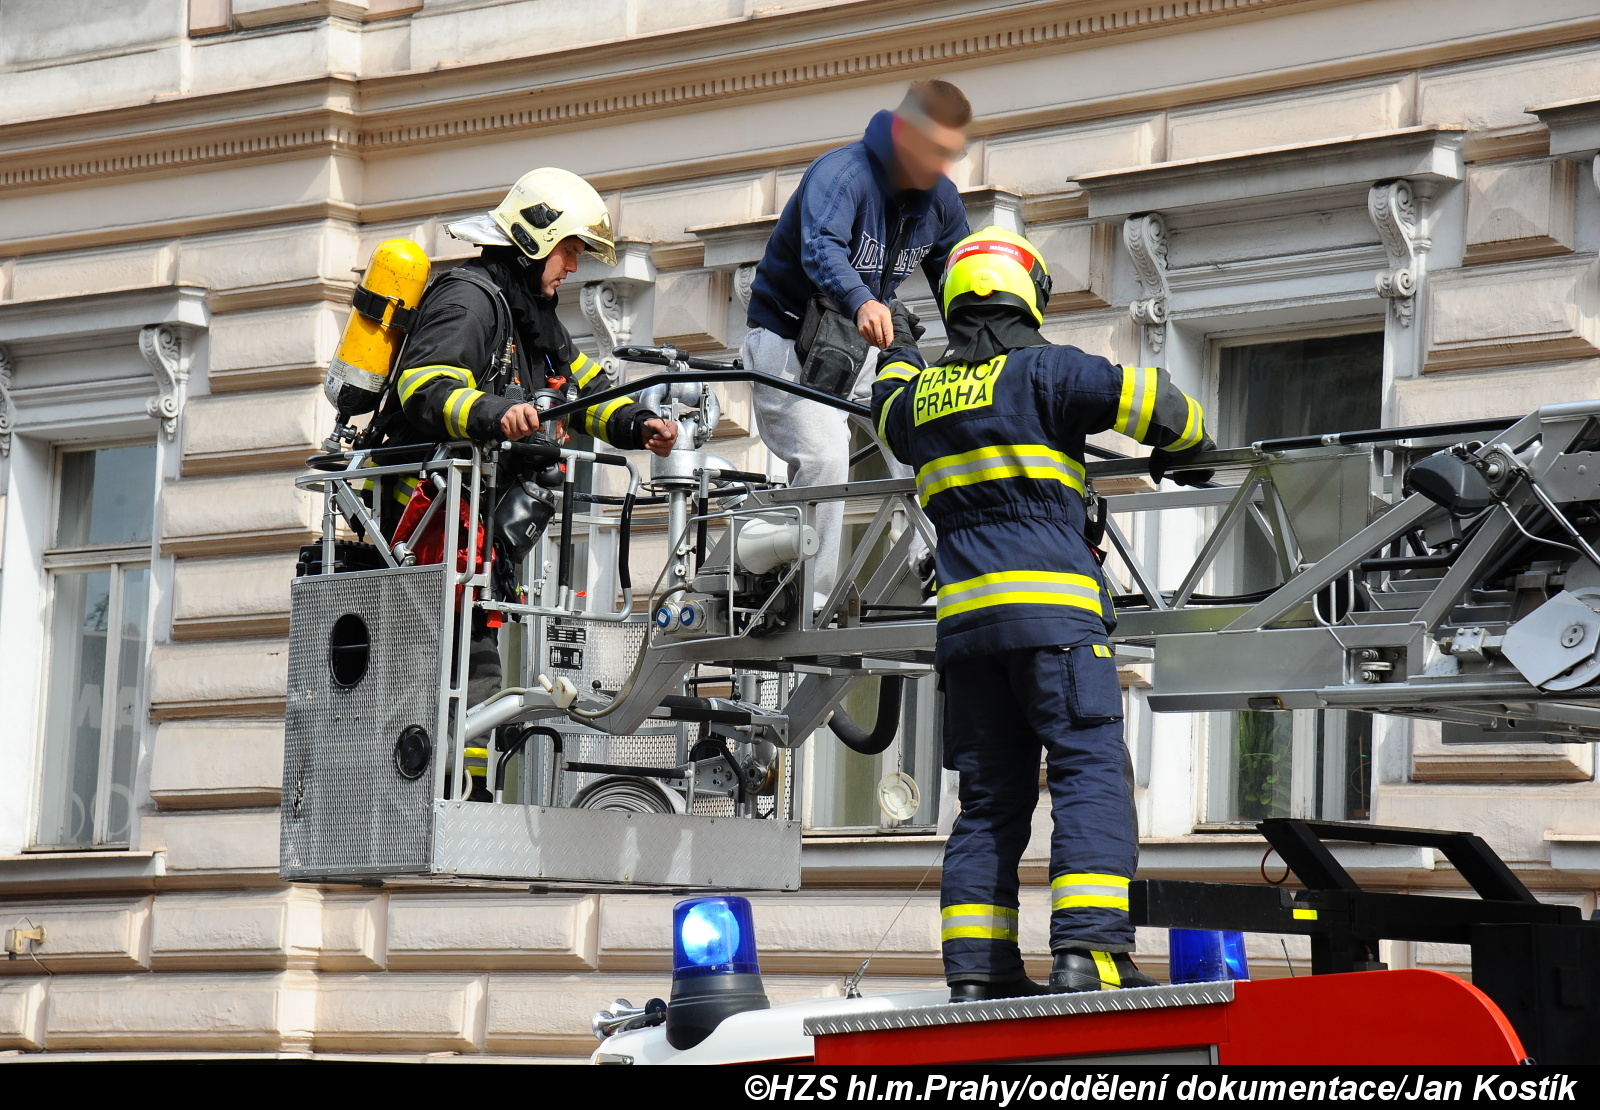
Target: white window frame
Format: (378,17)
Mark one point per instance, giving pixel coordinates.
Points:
(117,559)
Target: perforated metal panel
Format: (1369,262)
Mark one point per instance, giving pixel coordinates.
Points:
(639,849)
(347,811)
(593,654)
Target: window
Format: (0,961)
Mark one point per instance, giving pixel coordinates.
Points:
(99,568)
(1308,763)
(843,784)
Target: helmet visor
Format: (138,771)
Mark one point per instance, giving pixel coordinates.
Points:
(600,239)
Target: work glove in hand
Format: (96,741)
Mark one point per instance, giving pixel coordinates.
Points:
(908,327)
(1166,464)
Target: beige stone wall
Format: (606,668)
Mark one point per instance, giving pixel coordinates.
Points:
(258,159)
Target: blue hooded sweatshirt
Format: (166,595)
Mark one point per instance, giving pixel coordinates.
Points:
(839,225)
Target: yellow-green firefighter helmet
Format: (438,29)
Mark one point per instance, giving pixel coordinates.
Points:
(995,266)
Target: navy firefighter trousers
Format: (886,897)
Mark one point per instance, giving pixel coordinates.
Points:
(1000,711)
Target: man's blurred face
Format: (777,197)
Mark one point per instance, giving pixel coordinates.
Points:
(560,262)
(925,150)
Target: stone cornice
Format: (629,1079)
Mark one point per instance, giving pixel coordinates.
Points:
(501,100)
(336,114)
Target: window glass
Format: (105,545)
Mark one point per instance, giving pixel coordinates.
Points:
(99,631)
(1306,763)
(1300,387)
(106,496)
(76,710)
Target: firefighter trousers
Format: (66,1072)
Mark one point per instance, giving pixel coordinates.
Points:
(1000,711)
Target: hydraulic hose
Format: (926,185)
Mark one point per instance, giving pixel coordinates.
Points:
(884,729)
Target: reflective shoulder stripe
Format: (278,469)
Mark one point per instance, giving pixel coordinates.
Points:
(898,371)
(1021,587)
(585,369)
(456,408)
(597,416)
(1019,460)
(1138,401)
(415,378)
(1108,892)
(978,922)
(883,413)
(1193,429)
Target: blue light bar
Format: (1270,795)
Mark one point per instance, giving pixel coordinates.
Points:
(713,936)
(1206,956)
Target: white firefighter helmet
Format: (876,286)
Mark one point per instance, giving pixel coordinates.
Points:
(544,207)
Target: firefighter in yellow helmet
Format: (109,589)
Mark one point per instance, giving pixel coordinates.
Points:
(485,344)
(996,433)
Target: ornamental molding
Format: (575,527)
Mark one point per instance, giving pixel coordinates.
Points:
(162,348)
(1145,236)
(744,279)
(7,412)
(321,131)
(609,308)
(1395,214)
(859,56)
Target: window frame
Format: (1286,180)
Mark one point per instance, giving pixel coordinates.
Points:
(1309,756)
(117,560)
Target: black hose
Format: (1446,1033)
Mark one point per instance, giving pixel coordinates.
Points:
(624,539)
(884,729)
(564,559)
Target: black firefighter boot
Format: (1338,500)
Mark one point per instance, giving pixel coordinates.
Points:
(976,990)
(1080,969)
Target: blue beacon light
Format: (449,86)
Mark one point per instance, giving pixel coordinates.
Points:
(715,973)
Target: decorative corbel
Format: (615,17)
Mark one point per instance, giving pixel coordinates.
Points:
(744,279)
(6,411)
(162,347)
(1146,240)
(606,305)
(1395,216)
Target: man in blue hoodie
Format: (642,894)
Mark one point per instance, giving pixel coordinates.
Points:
(863,217)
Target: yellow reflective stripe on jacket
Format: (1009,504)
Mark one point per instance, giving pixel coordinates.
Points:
(1108,892)
(415,378)
(456,408)
(883,413)
(982,922)
(1008,460)
(584,370)
(898,371)
(1138,401)
(596,417)
(1020,587)
(1193,429)
(405,488)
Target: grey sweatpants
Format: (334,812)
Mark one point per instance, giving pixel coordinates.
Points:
(812,439)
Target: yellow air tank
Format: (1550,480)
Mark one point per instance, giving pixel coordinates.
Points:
(379,314)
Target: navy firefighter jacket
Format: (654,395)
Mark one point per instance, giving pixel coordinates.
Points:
(998,450)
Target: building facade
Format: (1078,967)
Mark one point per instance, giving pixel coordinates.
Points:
(1318,214)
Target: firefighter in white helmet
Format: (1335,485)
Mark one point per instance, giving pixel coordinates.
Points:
(485,344)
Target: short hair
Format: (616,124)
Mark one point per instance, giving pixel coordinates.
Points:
(939,101)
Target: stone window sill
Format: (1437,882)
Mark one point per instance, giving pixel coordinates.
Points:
(72,872)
